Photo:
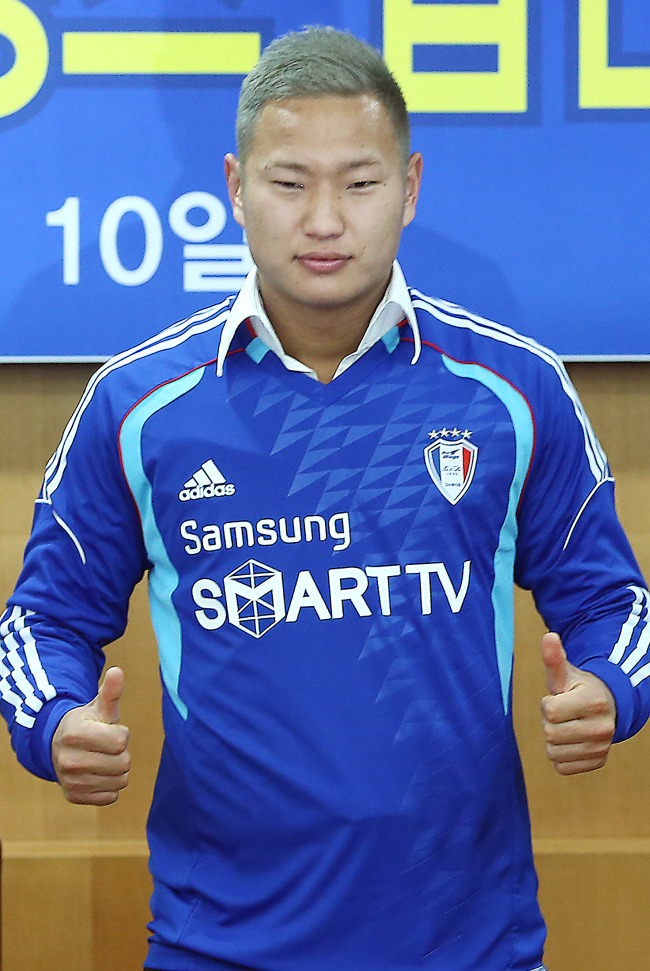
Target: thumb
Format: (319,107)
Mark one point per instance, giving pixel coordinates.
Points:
(556,664)
(107,703)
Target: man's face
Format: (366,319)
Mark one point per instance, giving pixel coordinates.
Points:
(323,198)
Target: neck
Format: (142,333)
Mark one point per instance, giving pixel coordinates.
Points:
(320,337)
(321,344)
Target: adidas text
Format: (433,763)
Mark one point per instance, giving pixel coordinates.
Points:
(209,491)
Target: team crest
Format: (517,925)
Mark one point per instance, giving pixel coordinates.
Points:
(451,464)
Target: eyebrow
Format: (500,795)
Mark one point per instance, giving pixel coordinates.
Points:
(361,163)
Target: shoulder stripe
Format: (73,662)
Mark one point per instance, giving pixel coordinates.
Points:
(455,316)
(177,334)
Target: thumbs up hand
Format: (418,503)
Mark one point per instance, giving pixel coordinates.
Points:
(579,713)
(89,747)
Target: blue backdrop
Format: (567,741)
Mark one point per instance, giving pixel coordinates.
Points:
(115,116)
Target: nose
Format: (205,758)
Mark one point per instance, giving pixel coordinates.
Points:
(324,213)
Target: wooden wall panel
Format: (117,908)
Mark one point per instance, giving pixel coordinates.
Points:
(72,875)
(74,905)
(594,902)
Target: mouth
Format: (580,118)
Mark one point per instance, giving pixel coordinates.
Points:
(323,263)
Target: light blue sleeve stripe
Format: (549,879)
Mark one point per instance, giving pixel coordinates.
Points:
(504,559)
(163,578)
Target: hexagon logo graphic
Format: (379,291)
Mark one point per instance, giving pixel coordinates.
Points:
(254,597)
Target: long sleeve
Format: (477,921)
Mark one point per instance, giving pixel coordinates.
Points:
(82,561)
(574,556)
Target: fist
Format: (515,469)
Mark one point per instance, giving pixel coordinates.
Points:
(89,747)
(578,714)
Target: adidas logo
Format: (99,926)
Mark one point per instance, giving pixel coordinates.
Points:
(206,483)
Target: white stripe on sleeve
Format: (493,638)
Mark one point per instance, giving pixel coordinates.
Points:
(639,606)
(16,688)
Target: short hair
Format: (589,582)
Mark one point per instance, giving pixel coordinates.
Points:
(316,62)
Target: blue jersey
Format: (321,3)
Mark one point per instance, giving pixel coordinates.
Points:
(331,573)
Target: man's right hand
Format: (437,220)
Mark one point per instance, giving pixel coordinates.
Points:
(89,747)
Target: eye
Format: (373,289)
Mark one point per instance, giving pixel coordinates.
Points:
(283,184)
(362,184)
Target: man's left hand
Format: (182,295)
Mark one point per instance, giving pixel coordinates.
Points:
(579,713)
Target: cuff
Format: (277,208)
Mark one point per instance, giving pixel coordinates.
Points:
(624,695)
(33,746)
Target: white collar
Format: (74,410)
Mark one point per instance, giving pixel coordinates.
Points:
(394,306)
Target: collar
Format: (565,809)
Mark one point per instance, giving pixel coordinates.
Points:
(393,307)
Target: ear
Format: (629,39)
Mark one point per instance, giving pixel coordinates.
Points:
(233,183)
(413,182)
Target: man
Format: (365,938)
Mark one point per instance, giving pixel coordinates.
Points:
(332,482)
